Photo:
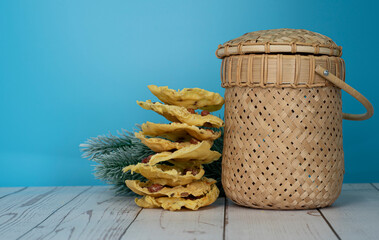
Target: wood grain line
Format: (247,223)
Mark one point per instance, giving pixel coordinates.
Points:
(330,225)
(53,212)
(225,217)
(372,184)
(17,191)
(126,229)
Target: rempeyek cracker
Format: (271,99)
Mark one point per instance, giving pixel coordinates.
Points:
(195,98)
(168,175)
(178,131)
(176,203)
(160,144)
(200,153)
(150,188)
(181,114)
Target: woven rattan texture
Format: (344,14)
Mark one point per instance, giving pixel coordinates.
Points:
(284,35)
(265,70)
(280,40)
(283,147)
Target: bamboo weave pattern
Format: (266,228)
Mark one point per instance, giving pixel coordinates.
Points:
(283,147)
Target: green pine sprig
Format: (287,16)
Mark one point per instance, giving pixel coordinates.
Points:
(112,153)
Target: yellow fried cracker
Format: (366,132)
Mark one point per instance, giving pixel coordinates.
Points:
(176,203)
(196,188)
(160,144)
(178,131)
(166,175)
(195,98)
(181,114)
(195,154)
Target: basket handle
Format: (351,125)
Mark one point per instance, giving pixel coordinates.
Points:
(341,84)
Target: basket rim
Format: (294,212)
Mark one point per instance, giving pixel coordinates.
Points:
(228,49)
(278,70)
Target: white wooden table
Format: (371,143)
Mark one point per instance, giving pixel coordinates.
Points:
(96,213)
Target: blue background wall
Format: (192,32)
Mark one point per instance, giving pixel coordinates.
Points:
(70,70)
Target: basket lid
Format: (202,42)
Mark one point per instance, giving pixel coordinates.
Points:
(283,40)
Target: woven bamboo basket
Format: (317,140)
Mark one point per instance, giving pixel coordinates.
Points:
(283,119)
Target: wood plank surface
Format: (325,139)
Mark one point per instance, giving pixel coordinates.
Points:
(206,223)
(96,214)
(356,186)
(23,210)
(355,214)
(247,223)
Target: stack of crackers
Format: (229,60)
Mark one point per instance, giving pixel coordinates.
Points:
(175,173)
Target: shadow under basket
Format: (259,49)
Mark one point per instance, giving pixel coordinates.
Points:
(283,144)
